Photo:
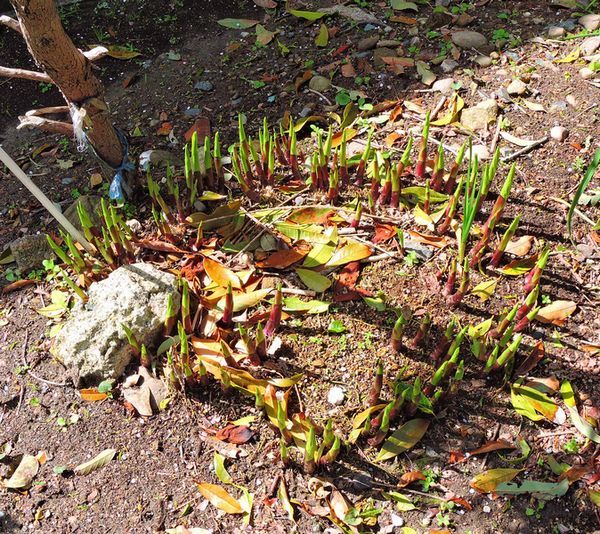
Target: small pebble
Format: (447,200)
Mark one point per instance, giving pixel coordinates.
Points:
(336,396)
(587,73)
(486,509)
(516,88)
(448,65)
(554,32)
(483,61)
(559,133)
(397,521)
(204,85)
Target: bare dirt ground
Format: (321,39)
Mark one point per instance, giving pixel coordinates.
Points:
(150,486)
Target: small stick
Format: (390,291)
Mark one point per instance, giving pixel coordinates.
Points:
(526,149)
(438,107)
(496,134)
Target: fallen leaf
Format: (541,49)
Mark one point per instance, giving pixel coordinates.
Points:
(323,37)
(243,301)
(201,127)
(92,395)
(95,463)
(281,259)
(237,434)
(535,405)
(534,106)
(431,240)
(313,280)
(263,36)
(491,446)
(122,52)
(519,267)
(237,24)
(409,477)
(484,290)
(398,64)
(557,312)
(220,498)
(540,490)
(220,274)
(520,247)
(347,70)
(568,396)
(487,481)
(165,128)
(403,439)
(401,5)
(308,15)
(220,469)
(454,108)
(23,476)
(516,140)
(427,76)
(537,354)
(352,251)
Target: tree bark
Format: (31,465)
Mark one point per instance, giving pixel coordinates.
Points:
(70,71)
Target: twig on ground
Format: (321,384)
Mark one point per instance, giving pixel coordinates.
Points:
(526,149)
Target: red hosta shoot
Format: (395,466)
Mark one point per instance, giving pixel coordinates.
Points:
(529,303)
(170,317)
(395,196)
(377,385)
(360,173)
(398,332)
(422,159)
(343,161)
(451,181)
(456,298)
(227,319)
(437,179)
(375,180)
(508,235)
(422,332)
(444,342)
(275,316)
(186,317)
(357,214)
(533,277)
(451,281)
(386,190)
(524,322)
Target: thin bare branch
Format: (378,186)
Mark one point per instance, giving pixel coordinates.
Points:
(46,125)
(7,72)
(47,111)
(95,53)
(11,23)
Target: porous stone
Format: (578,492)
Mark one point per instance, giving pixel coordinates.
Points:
(30,251)
(93,343)
(555,32)
(559,133)
(590,45)
(469,39)
(443,86)
(448,65)
(517,88)
(479,116)
(483,61)
(590,22)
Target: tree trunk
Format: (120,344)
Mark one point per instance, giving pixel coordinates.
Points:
(71,71)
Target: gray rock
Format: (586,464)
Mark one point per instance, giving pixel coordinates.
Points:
(30,251)
(204,85)
(558,107)
(590,22)
(319,83)
(483,61)
(482,152)
(367,43)
(67,180)
(93,342)
(448,65)
(469,39)
(192,112)
(559,133)
(478,117)
(590,45)
(157,158)
(587,73)
(354,13)
(569,24)
(388,43)
(517,88)
(444,86)
(381,53)
(91,204)
(554,32)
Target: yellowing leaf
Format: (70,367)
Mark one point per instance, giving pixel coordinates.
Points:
(535,405)
(572,56)
(323,38)
(243,301)
(308,15)
(92,395)
(263,36)
(24,474)
(220,469)
(315,281)
(405,438)
(352,251)
(568,396)
(220,274)
(520,247)
(484,290)
(220,498)
(95,463)
(122,52)
(557,312)
(451,115)
(487,481)
(519,267)
(595,497)
(534,106)
(423,218)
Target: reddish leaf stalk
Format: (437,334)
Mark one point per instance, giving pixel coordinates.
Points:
(529,303)
(275,316)
(377,385)
(422,332)
(227,319)
(524,322)
(444,342)
(360,173)
(456,299)
(375,180)
(451,181)
(508,235)
(397,333)
(449,286)
(420,168)
(437,179)
(534,276)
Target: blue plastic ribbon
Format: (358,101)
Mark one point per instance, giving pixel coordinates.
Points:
(118,187)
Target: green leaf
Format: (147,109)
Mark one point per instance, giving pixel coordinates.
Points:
(295,304)
(595,497)
(403,503)
(535,405)
(525,452)
(106,386)
(404,439)
(95,463)
(400,5)
(336,327)
(237,24)
(323,37)
(585,181)
(568,396)
(263,36)
(321,253)
(308,15)
(220,470)
(540,490)
(519,267)
(307,232)
(282,495)
(315,281)
(488,481)
(376,303)
(243,301)
(419,193)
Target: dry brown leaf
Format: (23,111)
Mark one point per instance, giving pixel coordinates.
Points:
(520,247)
(557,312)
